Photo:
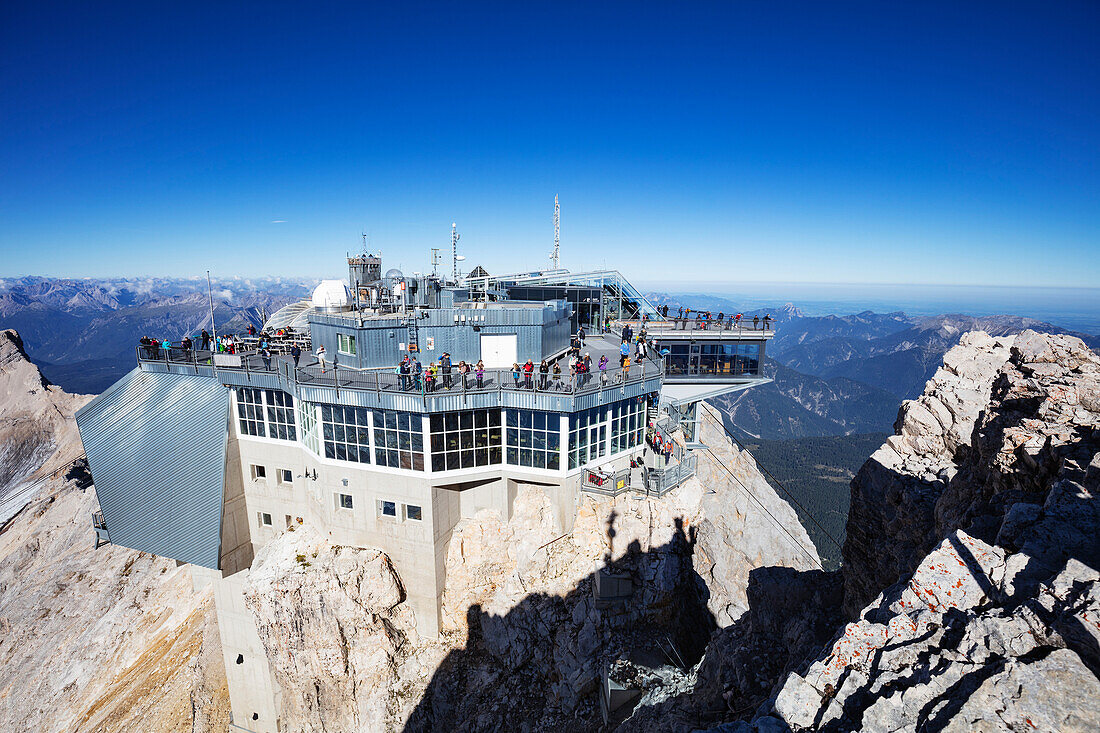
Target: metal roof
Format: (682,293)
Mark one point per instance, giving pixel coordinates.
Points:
(156,446)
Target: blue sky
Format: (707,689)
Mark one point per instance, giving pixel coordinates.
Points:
(946,143)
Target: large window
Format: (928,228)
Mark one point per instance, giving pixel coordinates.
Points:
(729,358)
(677,360)
(534,439)
(346,431)
(307,421)
(252,405)
(627,424)
(398,440)
(250,409)
(280,415)
(466,439)
(587,435)
(712,358)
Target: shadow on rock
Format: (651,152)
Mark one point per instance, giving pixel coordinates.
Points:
(541,665)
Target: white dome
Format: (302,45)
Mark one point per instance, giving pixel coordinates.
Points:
(331,295)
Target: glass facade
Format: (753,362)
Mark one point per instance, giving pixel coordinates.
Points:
(605,430)
(587,435)
(255,404)
(719,359)
(534,439)
(465,439)
(398,440)
(280,415)
(346,432)
(250,409)
(307,420)
(627,424)
(738,358)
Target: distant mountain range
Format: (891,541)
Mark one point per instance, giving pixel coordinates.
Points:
(82,332)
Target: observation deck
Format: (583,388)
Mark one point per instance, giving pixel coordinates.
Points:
(383,388)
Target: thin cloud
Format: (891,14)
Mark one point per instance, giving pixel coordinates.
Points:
(279,221)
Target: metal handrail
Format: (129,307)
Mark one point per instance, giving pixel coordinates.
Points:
(386,379)
(672,323)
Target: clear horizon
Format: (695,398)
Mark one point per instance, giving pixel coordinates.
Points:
(858,143)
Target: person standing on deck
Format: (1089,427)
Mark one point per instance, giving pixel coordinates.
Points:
(479,373)
(544,371)
(581,335)
(445,367)
(296,353)
(205,340)
(403,369)
(603,369)
(321,356)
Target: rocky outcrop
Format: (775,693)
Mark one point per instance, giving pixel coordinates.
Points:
(36,426)
(891,522)
(104,640)
(996,625)
(339,639)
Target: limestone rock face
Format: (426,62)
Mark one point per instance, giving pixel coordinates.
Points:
(36,428)
(104,640)
(996,625)
(894,495)
(335,630)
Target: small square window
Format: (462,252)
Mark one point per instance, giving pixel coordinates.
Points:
(387,508)
(258,472)
(345,501)
(286,476)
(265,519)
(413,512)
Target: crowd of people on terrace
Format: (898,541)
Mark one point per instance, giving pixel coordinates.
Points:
(547,375)
(706,319)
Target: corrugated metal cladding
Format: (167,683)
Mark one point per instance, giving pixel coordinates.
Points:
(156,448)
(541,330)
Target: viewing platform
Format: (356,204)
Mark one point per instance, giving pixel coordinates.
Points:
(384,388)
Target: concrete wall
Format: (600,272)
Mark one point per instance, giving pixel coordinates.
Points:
(252,688)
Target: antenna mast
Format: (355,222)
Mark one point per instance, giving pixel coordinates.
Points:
(435,261)
(454,248)
(557,220)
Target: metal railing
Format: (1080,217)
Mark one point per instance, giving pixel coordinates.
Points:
(660,481)
(610,483)
(425,384)
(672,323)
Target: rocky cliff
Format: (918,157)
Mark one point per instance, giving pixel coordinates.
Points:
(972,556)
(90,640)
(525,640)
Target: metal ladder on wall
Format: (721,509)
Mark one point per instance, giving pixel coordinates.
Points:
(414,343)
